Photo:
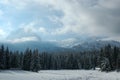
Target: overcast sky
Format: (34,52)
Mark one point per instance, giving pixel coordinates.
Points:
(59,20)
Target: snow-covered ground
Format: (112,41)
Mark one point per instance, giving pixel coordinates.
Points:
(58,75)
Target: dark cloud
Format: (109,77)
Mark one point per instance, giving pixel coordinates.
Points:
(103,15)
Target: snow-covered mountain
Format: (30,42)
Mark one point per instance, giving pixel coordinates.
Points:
(58,47)
(94,45)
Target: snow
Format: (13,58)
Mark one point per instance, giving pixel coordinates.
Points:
(58,75)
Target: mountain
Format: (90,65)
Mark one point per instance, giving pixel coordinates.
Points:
(94,45)
(42,46)
(54,47)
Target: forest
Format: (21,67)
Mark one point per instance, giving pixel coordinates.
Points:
(107,59)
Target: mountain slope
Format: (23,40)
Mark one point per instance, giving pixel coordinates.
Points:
(42,46)
(53,47)
(94,45)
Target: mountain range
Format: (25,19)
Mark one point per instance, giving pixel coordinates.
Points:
(56,47)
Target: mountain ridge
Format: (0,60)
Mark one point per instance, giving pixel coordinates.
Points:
(53,47)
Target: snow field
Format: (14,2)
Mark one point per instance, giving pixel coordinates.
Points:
(58,75)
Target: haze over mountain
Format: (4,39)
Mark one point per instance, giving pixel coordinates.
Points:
(59,47)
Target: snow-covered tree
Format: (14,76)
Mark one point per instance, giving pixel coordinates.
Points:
(35,62)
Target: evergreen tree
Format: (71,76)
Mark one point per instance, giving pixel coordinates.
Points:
(2,57)
(115,57)
(105,65)
(27,60)
(35,63)
(118,61)
(21,59)
(15,60)
(7,62)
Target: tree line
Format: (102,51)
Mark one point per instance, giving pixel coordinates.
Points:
(107,59)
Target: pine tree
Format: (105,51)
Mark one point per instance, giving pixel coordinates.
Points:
(35,63)
(105,65)
(15,60)
(115,57)
(118,61)
(2,57)
(21,59)
(27,60)
(7,55)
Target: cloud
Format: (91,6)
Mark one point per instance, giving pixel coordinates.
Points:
(33,28)
(29,28)
(87,17)
(1,12)
(42,30)
(116,38)
(68,42)
(5,2)
(2,32)
(109,4)
(23,39)
(24,30)
(15,3)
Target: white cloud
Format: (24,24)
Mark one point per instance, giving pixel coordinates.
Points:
(42,30)
(23,39)
(29,28)
(23,31)
(116,38)
(3,35)
(15,3)
(33,28)
(2,32)
(69,42)
(102,18)
(92,17)
(54,19)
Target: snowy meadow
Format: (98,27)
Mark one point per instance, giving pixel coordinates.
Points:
(58,75)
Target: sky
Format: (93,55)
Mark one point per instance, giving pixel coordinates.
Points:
(59,20)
